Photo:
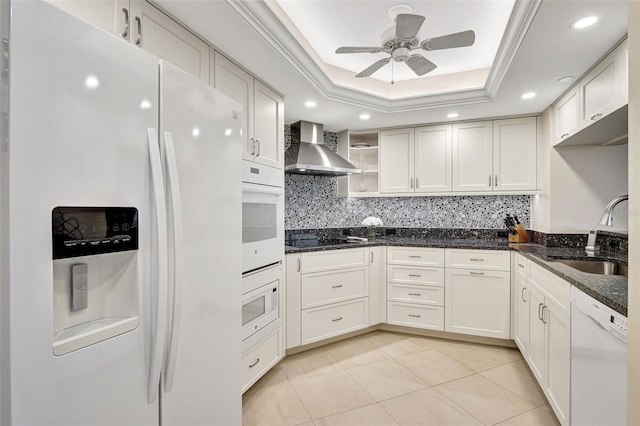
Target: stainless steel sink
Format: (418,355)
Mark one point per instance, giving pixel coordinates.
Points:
(596,266)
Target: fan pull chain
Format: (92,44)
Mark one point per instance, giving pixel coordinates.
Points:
(392,61)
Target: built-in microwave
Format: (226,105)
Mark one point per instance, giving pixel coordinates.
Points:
(260,305)
(262,216)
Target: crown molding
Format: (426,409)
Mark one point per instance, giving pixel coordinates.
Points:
(263,20)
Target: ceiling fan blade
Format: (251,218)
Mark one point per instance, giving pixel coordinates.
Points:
(407,25)
(374,67)
(450,41)
(352,49)
(420,65)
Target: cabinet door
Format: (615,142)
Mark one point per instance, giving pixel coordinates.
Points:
(478,302)
(432,158)
(163,37)
(599,92)
(536,356)
(514,154)
(558,362)
(268,126)
(110,15)
(236,83)
(396,160)
(293,298)
(522,316)
(377,295)
(472,157)
(567,115)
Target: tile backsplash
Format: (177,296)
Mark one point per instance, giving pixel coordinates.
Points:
(311,202)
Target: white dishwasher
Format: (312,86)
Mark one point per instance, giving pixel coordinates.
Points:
(598,363)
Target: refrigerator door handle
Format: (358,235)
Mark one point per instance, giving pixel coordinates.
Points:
(174,280)
(158,331)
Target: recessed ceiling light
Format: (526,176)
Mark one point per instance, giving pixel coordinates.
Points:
(584,22)
(310,104)
(567,79)
(452,115)
(528,95)
(364,116)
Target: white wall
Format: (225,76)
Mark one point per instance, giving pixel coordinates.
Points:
(4,226)
(633,408)
(577,183)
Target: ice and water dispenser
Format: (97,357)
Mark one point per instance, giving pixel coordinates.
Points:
(95,275)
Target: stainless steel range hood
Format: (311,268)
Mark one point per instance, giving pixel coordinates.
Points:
(309,155)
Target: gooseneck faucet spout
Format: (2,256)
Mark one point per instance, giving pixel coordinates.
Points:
(607,216)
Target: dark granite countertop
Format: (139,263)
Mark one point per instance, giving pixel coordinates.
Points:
(608,289)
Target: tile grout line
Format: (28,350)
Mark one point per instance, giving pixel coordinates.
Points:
(546,401)
(453,402)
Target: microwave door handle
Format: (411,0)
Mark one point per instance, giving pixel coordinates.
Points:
(263,189)
(159,267)
(175,281)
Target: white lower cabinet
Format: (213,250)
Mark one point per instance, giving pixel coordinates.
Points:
(261,357)
(478,302)
(334,319)
(521,328)
(415,287)
(545,332)
(328,293)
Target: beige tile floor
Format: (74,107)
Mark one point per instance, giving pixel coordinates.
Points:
(384,378)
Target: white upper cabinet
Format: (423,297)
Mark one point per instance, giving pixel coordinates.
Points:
(263,123)
(472,157)
(396,160)
(236,83)
(599,91)
(514,154)
(268,126)
(597,97)
(161,36)
(432,158)
(567,112)
(112,16)
(142,24)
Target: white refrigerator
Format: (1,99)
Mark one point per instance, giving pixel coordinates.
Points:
(121,305)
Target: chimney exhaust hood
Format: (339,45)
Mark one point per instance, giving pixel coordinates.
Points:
(309,155)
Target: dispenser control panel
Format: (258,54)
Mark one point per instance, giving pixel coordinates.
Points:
(84,231)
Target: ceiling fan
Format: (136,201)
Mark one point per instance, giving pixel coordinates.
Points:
(399,40)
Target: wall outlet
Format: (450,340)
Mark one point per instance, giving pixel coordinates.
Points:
(390,231)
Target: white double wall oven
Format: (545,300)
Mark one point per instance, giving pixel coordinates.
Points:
(262,250)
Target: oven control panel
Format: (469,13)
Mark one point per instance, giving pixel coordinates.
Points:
(84,231)
(261,174)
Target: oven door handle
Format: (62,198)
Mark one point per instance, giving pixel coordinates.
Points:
(262,189)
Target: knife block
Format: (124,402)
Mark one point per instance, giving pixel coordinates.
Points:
(521,235)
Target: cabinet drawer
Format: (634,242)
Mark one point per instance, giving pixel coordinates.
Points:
(555,289)
(521,265)
(411,315)
(322,288)
(425,295)
(334,259)
(418,256)
(415,275)
(334,320)
(478,259)
(260,358)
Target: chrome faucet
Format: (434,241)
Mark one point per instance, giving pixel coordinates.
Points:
(605,220)
(607,216)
